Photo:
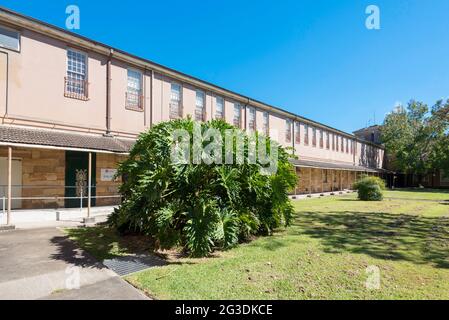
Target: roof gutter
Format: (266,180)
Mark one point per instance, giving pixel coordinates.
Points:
(39,146)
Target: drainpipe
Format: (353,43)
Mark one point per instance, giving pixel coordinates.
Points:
(9,203)
(7,86)
(108,93)
(151,98)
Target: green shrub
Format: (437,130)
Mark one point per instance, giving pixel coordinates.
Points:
(200,207)
(370,188)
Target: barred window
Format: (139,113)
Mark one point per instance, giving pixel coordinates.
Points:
(321,139)
(252,119)
(314,136)
(306,134)
(76,79)
(288,130)
(134,90)
(297,132)
(237,115)
(219,108)
(266,123)
(200,114)
(175,101)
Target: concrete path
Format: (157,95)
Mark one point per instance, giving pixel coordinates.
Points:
(45,264)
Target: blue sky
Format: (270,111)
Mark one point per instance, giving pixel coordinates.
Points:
(311,57)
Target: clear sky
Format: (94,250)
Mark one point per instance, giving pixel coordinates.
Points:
(315,58)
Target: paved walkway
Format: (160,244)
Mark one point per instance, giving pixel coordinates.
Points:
(45,264)
(40,218)
(320,195)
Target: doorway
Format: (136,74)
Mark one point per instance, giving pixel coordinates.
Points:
(76,178)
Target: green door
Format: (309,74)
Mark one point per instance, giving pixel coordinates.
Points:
(76,178)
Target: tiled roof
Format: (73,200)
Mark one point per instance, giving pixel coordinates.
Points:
(330,165)
(54,138)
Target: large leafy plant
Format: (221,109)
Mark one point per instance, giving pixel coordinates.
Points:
(201,206)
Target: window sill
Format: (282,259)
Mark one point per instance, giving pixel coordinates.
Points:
(136,109)
(70,96)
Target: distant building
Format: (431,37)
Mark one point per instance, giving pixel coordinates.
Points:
(371,134)
(435,179)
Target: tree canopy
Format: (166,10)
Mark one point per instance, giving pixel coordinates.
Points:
(416,137)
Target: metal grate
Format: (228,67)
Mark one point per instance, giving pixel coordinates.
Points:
(130,264)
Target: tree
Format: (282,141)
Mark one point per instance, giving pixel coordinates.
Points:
(416,138)
(202,206)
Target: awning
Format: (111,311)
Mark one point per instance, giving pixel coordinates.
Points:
(23,137)
(332,166)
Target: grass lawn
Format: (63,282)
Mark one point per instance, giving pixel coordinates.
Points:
(324,255)
(422,194)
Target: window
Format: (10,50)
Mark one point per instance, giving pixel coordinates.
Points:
(252,119)
(342,145)
(134,99)
(200,110)
(266,123)
(337,139)
(175,101)
(328,142)
(347,145)
(333,142)
(288,130)
(219,108)
(297,132)
(352,146)
(325,176)
(237,115)
(76,80)
(314,136)
(9,39)
(306,134)
(321,139)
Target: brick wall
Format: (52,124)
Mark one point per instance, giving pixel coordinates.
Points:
(107,188)
(43,175)
(313,180)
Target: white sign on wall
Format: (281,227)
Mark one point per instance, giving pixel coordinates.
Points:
(108,174)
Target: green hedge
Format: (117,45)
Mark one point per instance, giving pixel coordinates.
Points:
(370,188)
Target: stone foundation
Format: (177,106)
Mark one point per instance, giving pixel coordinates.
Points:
(312,180)
(43,176)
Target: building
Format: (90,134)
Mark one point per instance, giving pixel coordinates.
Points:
(371,134)
(71,108)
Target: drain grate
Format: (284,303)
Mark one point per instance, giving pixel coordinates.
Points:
(130,264)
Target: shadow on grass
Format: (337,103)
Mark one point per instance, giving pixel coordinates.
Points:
(102,242)
(381,235)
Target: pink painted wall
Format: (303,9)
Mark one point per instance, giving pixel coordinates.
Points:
(36,95)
